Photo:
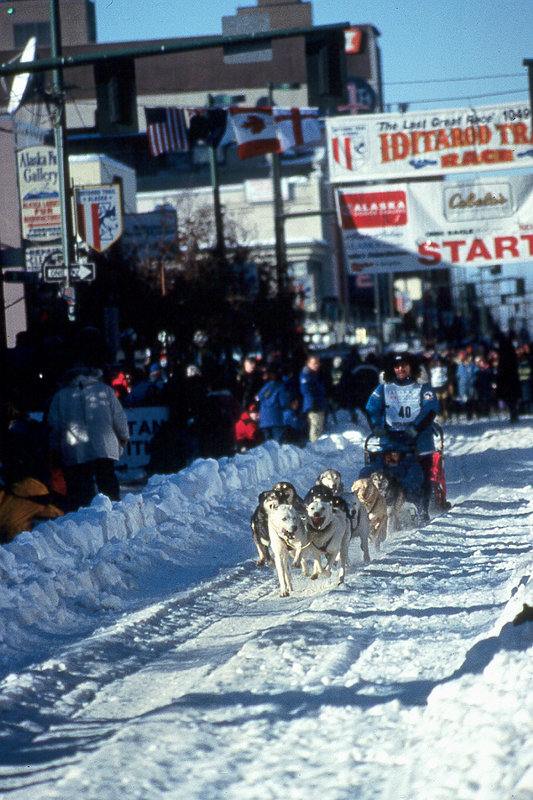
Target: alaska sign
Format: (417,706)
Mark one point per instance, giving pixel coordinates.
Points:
(406,227)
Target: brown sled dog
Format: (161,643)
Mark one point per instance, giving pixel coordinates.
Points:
(375,506)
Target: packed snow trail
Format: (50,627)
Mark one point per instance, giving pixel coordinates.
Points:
(407,682)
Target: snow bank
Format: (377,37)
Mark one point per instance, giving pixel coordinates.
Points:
(65,575)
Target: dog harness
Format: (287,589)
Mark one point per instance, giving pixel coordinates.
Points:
(288,541)
(322,547)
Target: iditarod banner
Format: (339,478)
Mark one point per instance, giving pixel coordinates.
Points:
(419,143)
(405,227)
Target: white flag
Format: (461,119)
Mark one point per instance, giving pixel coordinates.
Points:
(297,127)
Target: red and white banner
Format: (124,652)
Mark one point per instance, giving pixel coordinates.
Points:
(99,215)
(420,143)
(255,131)
(426,225)
(297,127)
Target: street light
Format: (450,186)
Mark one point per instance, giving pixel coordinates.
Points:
(279,222)
(213,102)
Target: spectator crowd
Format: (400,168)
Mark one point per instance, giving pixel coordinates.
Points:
(56,458)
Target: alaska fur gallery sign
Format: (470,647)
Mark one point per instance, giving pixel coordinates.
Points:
(404,227)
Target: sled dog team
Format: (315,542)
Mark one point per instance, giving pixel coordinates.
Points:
(322,525)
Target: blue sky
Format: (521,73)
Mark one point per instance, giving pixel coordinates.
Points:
(440,42)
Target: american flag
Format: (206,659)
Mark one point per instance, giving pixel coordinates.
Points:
(167,130)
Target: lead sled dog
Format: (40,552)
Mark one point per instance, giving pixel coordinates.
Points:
(287,536)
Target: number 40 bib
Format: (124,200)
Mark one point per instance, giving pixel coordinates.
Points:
(402,405)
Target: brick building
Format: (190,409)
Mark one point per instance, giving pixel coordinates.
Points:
(332,67)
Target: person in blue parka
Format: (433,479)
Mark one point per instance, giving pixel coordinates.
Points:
(274,400)
(314,397)
(401,412)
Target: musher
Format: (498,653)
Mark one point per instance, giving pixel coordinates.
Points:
(401,412)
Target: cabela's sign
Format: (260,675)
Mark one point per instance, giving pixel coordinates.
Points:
(434,224)
(419,143)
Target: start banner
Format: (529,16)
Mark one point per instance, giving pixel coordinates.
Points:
(419,143)
(405,227)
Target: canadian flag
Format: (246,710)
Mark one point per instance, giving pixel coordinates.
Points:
(297,127)
(255,131)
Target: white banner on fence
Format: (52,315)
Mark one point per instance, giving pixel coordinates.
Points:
(143,422)
(404,227)
(419,143)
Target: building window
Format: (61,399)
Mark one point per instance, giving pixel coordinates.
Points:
(22,31)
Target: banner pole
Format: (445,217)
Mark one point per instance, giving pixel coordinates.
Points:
(377,311)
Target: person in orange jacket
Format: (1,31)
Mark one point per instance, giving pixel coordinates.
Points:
(22,505)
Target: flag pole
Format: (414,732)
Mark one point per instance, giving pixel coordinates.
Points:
(215,184)
(279,222)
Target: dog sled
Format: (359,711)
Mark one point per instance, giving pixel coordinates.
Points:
(438,500)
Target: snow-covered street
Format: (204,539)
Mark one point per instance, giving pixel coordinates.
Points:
(144,655)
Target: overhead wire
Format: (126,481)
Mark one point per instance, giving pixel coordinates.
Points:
(453,80)
(462,98)
(458,98)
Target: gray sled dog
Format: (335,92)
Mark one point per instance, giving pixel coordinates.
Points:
(332,479)
(359,526)
(266,501)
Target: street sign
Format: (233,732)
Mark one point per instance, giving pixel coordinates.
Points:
(55,274)
(77,272)
(82,272)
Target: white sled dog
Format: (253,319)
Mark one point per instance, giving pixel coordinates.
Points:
(287,534)
(329,531)
(358,517)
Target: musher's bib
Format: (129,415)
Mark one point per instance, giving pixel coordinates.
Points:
(402,405)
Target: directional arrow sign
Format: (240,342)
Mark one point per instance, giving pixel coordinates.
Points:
(77,272)
(82,272)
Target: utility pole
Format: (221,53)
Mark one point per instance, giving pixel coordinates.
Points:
(217,208)
(214,102)
(215,185)
(528,62)
(279,222)
(279,216)
(67,239)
